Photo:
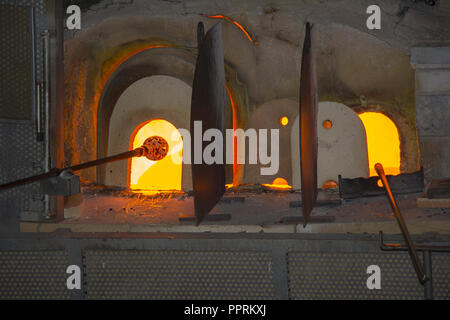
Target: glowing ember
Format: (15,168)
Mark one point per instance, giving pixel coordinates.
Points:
(235,125)
(383,142)
(164,174)
(237,24)
(327,124)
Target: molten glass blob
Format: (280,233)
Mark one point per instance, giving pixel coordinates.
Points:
(383,142)
(329,184)
(164,174)
(157,148)
(278,183)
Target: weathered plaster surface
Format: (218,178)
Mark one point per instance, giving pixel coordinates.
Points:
(157,97)
(432,65)
(342,149)
(357,67)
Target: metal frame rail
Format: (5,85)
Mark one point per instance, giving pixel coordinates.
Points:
(423,271)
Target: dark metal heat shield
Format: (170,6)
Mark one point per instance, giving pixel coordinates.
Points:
(208,106)
(308,127)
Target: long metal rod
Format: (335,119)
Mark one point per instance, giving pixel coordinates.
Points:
(138,152)
(34,82)
(40,136)
(46,87)
(46,133)
(411,249)
(427,260)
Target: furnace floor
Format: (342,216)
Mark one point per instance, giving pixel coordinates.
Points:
(97,210)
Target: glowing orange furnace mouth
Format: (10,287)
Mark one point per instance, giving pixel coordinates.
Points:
(383,142)
(163,171)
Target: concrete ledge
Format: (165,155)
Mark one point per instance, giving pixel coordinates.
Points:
(388,227)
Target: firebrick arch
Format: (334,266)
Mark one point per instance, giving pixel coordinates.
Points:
(150,98)
(174,62)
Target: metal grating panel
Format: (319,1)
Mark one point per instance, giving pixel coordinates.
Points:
(15,63)
(17,137)
(343,276)
(131,274)
(40,25)
(33,275)
(19,164)
(441,275)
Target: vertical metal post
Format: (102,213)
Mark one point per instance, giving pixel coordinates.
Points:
(46,85)
(280,272)
(35,85)
(40,136)
(75,252)
(55,18)
(429,273)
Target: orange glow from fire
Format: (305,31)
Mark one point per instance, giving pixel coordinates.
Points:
(383,142)
(279,183)
(329,184)
(235,125)
(157,175)
(115,62)
(284,121)
(237,24)
(108,69)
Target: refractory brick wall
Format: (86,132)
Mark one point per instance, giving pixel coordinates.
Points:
(432,65)
(366,70)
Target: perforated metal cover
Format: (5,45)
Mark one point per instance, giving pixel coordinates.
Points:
(441,275)
(14,139)
(16,63)
(343,276)
(33,275)
(129,274)
(18,137)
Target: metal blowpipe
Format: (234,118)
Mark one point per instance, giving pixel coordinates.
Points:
(154,148)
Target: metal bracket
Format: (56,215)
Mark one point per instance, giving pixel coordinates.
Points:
(402,247)
(65,184)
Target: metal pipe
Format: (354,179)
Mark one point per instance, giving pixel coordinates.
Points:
(46,134)
(138,152)
(146,150)
(46,85)
(411,249)
(55,172)
(40,136)
(35,85)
